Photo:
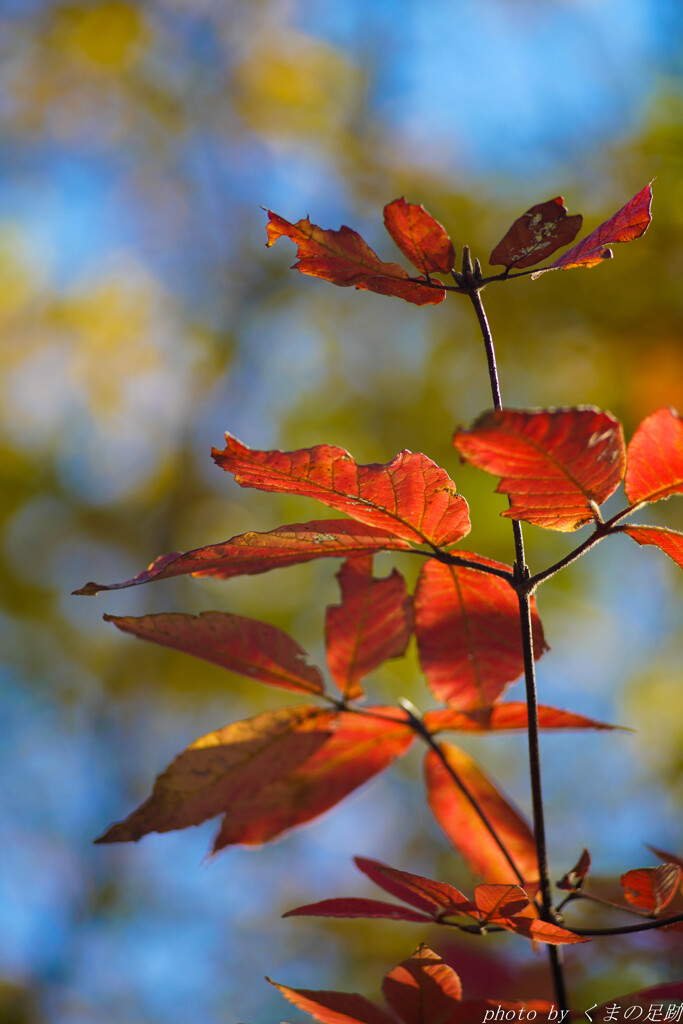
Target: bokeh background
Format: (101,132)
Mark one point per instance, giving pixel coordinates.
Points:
(142,316)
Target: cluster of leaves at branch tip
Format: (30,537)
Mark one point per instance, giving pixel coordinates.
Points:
(279,769)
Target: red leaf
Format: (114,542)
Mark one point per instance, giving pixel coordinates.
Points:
(511,715)
(423,989)
(574,878)
(465,829)
(241,645)
(419,237)
(497,901)
(343,258)
(359,748)
(630,222)
(651,889)
(541,931)
(467,630)
(232,764)
(373,623)
(655,458)
(410,497)
(668,541)
(335,1007)
(536,235)
(252,553)
(554,463)
(351,906)
(423,893)
(668,858)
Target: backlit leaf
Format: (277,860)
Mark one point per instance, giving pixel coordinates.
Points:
(651,889)
(574,878)
(411,497)
(359,748)
(630,222)
(350,906)
(495,901)
(373,623)
(554,463)
(343,258)
(541,931)
(335,1007)
(654,467)
(228,765)
(423,989)
(246,646)
(419,237)
(468,635)
(463,825)
(668,858)
(424,893)
(668,541)
(250,553)
(536,235)
(511,715)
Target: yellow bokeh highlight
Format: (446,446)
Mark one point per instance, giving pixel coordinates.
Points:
(108,36)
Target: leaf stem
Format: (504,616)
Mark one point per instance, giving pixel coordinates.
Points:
(521,584)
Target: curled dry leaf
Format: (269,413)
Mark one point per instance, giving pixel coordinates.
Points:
(651,889)
(409,497)
(574,878)
(536,235)
(555,464)
(630,222)
(344,258)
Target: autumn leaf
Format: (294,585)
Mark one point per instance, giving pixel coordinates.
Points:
(225,766)
(668,541)
(335,1007)
(463,825)
(359,747)
(246,646)
(555,464)
(423,989)
(574,879)
(630,222)
(495,900)
(651,889)
(511,715)
(250,553)
(343,258)
(536,235)
(424,893)
(467,630)
(373,623)
(411,497)
(654,467)
(419,237)
(350,906)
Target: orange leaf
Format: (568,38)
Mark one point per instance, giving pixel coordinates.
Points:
(541,931)
(467,630)
(419,237)
(351,906)
(250,553)
(241,645)
(555,464)
(655,458)
(630,222)
(343,258)
(574,878)
(359,748)
(373,623)
(511,715)
(410,497)
(463,825)
(232,764)
(335,1007)
(651,889)
(423,989)
(496,901)
(536,235)
(668,541)
(423,893)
